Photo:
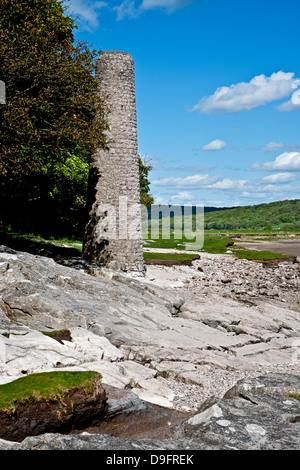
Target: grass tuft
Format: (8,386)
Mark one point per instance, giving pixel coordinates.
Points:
(293,395)
(44,385)
(169,256)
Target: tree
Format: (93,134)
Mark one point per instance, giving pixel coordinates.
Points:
(146,197)
(47,126)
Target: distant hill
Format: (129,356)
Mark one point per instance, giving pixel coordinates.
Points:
(214,209)
(154,210)
(271,216)
(280,214)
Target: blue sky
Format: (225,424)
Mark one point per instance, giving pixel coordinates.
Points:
(217,90)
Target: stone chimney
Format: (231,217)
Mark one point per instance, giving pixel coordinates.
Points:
(113,234)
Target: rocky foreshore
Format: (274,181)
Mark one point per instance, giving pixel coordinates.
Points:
(174,339)
(239,279)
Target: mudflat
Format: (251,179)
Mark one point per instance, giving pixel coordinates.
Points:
(285,247)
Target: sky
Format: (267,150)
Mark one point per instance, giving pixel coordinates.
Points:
(217,93)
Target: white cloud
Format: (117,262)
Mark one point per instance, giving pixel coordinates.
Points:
(126,9)
(273,184)
(248,194)
(284,161)
(129,9)
(197,181)
(169,5)
(193,187)
(276,146)
(271,146)
(259,190)
(289,106)
(228,184)
(164,201)
(183,196)
(247,95)
(294,103)
(87,11)
(279,178)
(215,145)
(214,202)
(201,182)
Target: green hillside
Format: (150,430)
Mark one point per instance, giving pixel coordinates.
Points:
(272,216)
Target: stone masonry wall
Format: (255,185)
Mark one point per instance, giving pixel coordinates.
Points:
(113,235)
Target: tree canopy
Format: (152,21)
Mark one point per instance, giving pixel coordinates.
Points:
(144,169)
(47,126)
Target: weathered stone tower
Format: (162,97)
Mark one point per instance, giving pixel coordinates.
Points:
(113,235)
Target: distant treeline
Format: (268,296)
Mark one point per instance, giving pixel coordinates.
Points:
(154,210)
(275,215)
(271,216)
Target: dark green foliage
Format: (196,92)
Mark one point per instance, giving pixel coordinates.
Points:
(144,168)
(47,126)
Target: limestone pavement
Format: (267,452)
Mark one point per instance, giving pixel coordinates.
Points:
(173,346)
(167,339)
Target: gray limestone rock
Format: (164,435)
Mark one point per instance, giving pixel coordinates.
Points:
(122,327)
(134,317)
(256,414)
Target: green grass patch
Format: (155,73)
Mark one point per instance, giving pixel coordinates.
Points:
(44,385)
(53,333)
(293,395)
(170,256)
(217,244)
(258,255)
(215,241)
(36,244)
(165,243)
(212,243)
